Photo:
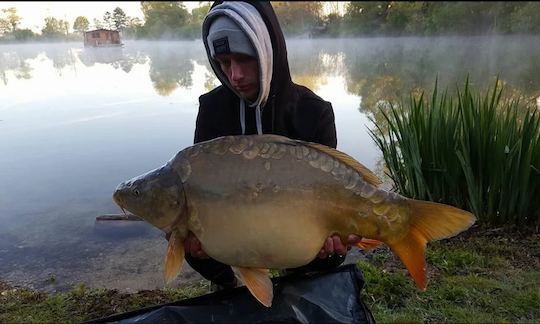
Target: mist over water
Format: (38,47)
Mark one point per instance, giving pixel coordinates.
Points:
(75,122)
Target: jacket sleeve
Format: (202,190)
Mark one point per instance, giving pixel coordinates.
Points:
(199,127)
(314,118)
(326,127)
(204,129)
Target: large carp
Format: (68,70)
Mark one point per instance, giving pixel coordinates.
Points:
(264,202)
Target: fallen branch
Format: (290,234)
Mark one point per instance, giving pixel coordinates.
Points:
(118,217)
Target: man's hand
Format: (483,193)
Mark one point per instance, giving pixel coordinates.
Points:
(333,244)
(192,246)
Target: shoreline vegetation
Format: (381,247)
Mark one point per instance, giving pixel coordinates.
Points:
(482,275)
(172,20)
(478,151)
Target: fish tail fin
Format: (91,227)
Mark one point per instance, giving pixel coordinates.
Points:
(429,221)
(174,258)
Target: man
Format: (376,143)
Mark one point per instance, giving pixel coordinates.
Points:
(246,49)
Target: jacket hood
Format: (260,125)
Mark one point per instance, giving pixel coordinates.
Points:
(279,74)
(248,19)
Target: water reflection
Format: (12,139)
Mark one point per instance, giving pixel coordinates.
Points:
(13,58)
(169,70)
(96,117)
(114,56)
(386,70)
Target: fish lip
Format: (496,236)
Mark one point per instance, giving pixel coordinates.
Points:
(116,201)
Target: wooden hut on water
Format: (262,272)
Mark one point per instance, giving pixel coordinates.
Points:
(102,38)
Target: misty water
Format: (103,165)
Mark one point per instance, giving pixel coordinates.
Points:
(76,122)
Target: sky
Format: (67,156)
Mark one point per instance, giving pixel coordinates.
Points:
(33,13)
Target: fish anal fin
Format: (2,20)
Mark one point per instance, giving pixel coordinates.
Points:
(368,244)
(259,284)
(174,258)
(366,173)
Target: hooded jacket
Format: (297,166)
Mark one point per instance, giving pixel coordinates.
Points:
(288,109)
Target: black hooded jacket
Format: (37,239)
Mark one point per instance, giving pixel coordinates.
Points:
(291,110)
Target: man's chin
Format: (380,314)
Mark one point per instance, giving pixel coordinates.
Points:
(249,97)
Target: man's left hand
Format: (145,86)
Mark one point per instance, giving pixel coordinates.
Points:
(333,244)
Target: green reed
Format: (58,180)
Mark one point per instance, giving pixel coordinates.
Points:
(477,152)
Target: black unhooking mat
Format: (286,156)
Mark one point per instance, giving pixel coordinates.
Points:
(332,296)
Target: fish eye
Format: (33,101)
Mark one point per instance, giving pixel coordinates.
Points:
(136,193)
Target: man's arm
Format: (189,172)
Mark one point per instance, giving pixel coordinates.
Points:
(326,127)
(202,126)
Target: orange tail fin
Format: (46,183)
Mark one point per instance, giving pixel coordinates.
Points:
(429,221)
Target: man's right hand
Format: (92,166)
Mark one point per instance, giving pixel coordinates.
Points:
(192,246)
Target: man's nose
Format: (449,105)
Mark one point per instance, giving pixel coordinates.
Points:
(237,72)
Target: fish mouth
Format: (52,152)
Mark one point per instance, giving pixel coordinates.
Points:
(119,203)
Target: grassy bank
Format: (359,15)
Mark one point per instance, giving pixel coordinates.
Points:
(480,276)
(21,305)
(483,276)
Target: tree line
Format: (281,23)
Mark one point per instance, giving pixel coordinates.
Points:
(172,20)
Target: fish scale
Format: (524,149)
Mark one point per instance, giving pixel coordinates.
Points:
(319,160)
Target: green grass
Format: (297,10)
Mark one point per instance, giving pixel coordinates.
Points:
(476,151)
(81,303)
(467,284)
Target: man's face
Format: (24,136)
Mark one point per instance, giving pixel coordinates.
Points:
(243,73)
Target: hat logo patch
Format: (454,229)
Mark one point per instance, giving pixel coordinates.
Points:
(221,45)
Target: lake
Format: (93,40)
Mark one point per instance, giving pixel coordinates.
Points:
(76,122)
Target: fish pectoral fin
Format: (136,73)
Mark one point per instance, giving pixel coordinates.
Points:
(259,284)
(174,257)
(368,244)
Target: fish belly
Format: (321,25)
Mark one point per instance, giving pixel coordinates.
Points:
(279,234)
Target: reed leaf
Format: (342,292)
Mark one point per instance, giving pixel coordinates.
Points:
(471,150)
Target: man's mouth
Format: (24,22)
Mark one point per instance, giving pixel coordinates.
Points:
(243,88)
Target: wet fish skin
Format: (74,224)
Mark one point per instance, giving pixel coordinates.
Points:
(266,201)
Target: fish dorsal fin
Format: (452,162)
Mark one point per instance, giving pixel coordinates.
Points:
(366,173)
(174,257)
(259,284)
